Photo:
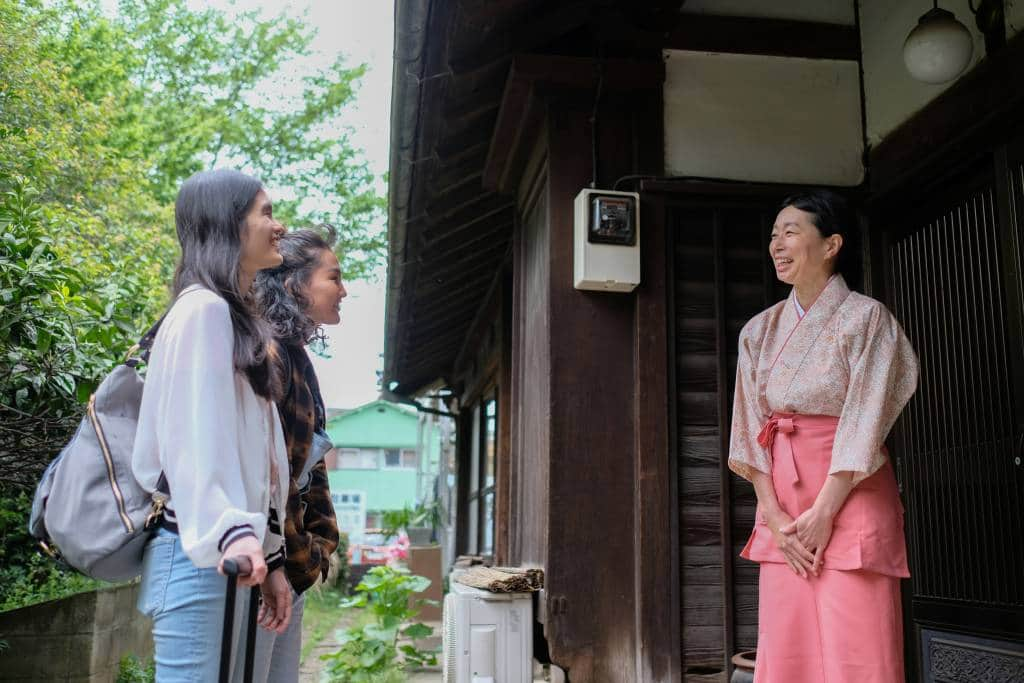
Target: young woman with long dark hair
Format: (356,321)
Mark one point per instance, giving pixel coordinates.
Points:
(208,430)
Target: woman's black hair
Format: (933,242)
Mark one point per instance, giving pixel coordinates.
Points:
(831,215)
(280,292)
(209,215)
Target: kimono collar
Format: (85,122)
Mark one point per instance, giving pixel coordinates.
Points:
(829,299)
(802,332)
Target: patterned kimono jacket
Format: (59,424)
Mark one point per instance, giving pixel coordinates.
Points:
(846,358)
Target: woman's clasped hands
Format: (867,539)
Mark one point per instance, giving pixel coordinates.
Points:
(802,540)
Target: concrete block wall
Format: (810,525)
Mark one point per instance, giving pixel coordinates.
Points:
(78,639)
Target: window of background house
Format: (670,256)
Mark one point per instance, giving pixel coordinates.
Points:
(482,472)
(400,458)
(358,459)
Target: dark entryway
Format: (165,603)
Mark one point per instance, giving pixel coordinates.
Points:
(950,265)
(953,274)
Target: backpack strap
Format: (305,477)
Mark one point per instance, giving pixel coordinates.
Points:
(143,346)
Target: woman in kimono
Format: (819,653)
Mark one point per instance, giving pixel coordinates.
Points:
(821,378)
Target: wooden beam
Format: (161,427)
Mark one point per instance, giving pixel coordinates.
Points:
(520,105)
(518,117)
(467,299)
(456,272)
(449,317)
(724,428)
(555,20)
(470,135)
(441,346)
(445,176)
(440,349)
(501,228)
(485,313)
(467,193)
(473,282)
(755,36)
(451,154)
(445,342)
(466,219)
(474,106)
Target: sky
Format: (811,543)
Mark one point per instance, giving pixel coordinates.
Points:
(363,31)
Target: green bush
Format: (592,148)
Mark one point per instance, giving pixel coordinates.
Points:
(370,653)
(133,670)
(341,559)
(58,337)
(26,576)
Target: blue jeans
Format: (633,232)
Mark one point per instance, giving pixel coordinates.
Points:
(187,607)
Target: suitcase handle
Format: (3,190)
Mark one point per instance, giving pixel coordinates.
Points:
(235,567)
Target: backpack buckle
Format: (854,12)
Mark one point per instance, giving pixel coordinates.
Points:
(154,517)
(50,551)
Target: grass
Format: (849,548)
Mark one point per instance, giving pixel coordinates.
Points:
(320,617)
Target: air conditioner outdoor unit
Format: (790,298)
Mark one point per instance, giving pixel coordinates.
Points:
(488,637)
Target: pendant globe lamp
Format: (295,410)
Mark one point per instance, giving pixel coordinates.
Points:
(939,48)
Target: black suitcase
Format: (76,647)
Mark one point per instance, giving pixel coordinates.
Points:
(235,568)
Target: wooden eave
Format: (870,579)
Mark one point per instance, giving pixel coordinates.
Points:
(467,75)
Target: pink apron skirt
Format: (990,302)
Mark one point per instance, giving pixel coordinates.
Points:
(845,625)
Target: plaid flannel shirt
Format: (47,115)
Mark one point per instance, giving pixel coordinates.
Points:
(310,529)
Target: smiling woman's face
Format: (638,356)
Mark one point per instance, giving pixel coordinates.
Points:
(800,254)
(325,290)
(260,236)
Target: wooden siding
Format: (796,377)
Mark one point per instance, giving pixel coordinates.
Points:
(531,371)
(721,279)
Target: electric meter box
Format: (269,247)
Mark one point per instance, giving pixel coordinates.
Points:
(606,243)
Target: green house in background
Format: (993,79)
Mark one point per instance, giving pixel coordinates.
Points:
(386,457)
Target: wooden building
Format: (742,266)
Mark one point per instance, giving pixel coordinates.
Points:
(593,427)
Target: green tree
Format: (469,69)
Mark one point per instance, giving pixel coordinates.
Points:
(193,90)
(101,118)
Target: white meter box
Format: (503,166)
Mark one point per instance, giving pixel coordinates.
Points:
(606,241)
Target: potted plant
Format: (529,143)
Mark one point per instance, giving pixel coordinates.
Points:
(418,522)
(394,521)
(426,518)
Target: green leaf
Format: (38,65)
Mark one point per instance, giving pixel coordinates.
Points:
(380,632)
(418,584)
(83,390)
(370,658)
(66,383)
(354,602)
(418,630)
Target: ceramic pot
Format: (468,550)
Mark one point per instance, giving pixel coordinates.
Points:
(744,663)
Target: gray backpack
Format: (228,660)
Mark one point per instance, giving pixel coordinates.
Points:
(88,510)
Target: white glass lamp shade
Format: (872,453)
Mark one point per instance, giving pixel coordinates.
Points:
(939,48)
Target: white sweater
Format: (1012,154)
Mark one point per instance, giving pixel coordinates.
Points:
(201,423)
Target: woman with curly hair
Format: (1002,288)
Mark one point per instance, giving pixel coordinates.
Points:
(297,298)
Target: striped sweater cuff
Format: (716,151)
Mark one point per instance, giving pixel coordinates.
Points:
(233,534)
(275,559)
